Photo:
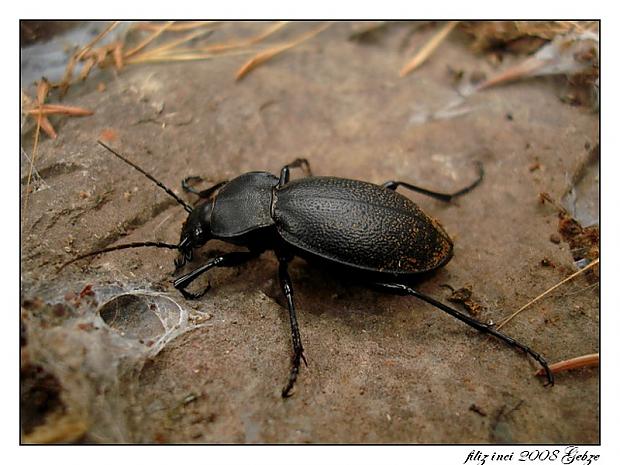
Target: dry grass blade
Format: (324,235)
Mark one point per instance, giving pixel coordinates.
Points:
(175,27)
(42,90)
(591,360)
(268,54)
(78,56)
(428,49)
(269,31)
(246,42)
(117,55)
(209,51)
(86,68)
(41,111)
(162,50)
(187,56)
(90,45)
(577,273)
(160,30)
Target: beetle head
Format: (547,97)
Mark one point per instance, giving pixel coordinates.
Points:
(195,233)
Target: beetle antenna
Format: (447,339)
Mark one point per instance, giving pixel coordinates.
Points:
(131,245)
(187,207)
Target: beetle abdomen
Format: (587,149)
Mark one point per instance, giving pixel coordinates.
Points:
(361,225)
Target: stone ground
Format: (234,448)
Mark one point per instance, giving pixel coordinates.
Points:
(117,355)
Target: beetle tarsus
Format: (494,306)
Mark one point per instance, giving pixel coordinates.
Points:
(296,362)
(203,194)
(192,296)
(298,349)
(226,260)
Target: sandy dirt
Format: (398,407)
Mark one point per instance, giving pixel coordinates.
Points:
(115,354)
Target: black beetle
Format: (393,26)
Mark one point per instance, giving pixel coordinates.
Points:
(367,229)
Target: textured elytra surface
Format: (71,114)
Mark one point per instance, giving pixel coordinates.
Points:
(381,368)
(360,224)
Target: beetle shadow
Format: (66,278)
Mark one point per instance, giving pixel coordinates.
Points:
(327,290)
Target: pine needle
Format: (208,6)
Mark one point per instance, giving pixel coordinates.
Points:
(90,45)
(170,45)
(428,49)
(187,56)
(160,30)
(591,360)
(268,54)
(176,26)
(52,109)
(577,273)
(246,42)
(34,154)
(77,56)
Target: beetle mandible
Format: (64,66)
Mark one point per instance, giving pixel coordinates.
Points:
(372,230)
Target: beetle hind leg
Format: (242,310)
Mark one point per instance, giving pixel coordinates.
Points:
(482,327)
(437,195)
(298,349)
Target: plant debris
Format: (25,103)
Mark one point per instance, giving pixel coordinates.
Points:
(41,111)
(574,275)
(573,54)
(268,54)
(463,296)
(583,242)
(584,361)
(369,34)
(475,408)
(427,50)
(519,36)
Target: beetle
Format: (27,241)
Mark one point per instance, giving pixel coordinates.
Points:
(371,230)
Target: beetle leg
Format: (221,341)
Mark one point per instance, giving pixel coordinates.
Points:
(227,260)
(437,195)
(482,327)
(297,163)
(204,194)
(298,349)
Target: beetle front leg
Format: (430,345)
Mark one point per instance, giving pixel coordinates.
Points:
(227,260)
(298,349)
(297,163)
